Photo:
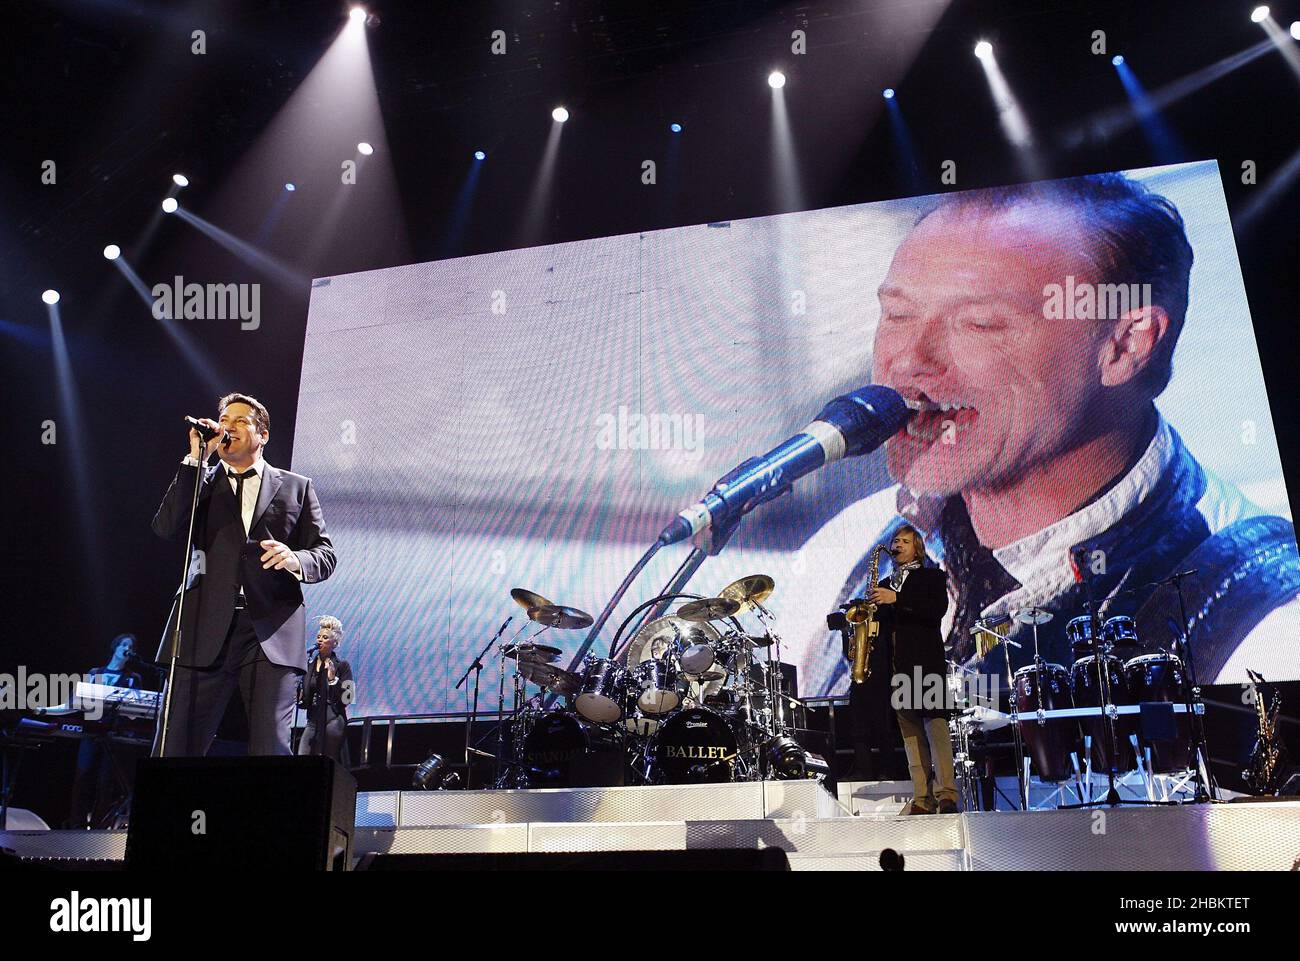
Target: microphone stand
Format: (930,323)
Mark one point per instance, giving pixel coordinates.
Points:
(477,668)
(174,658)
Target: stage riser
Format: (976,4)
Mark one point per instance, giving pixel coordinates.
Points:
(755,800)
(1264,836)
(1222,837)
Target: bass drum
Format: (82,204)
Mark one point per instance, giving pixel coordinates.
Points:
(695,746)
(551,749)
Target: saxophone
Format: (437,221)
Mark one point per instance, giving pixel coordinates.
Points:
(862,615)
(1266,760)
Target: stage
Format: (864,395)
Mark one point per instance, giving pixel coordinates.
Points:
(814,829)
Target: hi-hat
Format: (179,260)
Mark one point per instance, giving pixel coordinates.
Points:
(708,609)
(559,616)
(748,591)
(1031,615)
(534,653)
(526,598)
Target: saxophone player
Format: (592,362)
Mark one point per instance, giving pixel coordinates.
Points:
(910,604)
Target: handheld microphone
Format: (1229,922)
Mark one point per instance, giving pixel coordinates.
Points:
(851,424)
(207,433)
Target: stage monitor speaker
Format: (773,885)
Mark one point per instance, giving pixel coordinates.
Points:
(297,813)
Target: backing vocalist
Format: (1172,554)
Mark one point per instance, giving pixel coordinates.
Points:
(327,691)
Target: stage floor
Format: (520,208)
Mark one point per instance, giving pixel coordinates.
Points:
(817,831)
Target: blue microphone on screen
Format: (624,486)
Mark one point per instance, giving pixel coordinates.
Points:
(851,424)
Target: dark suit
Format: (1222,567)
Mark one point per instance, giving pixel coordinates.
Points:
(913,625)
(256,647)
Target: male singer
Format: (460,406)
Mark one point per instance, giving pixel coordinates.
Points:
(326,693)
(259,535)
(1037,440)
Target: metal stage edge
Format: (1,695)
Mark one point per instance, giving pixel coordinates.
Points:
(815,830)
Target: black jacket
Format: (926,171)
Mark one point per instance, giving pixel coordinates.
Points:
(913,627)
(339,695)
(286,511)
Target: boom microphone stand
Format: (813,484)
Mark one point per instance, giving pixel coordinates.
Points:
(477,669)
(174,658)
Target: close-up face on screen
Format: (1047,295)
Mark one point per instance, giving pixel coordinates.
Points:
(1088,418)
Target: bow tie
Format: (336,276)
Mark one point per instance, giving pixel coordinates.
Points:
(238,477)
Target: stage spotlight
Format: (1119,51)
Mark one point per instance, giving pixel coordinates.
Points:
(51,297)
(559,115)
(112,252)
(480,155)
(290,187)
(434,774)
(169,205)
(675,127)
(1117,60)
(889,93)
(180,180)
(1259,14)
(776,80)
(1295,29)
(785,758)
(365,149)
(983,49)
(358,14)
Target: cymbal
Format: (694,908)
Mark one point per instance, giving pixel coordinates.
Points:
(1031,615)
(751,590)
(663,634)
(526,598)
(550,677)
(559,616)
(708,677)
(708,609)
(536,653)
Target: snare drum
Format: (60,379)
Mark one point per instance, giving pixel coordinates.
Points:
(602,691)
(692,747)
(655,685)
(1052,742)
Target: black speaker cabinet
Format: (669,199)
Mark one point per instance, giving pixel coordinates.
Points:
(241,813)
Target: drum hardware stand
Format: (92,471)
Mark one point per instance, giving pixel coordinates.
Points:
(1205,790)
(477,669)
(1106,697)
(1191,693)
(1022,775)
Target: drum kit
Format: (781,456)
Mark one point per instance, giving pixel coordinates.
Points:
(691,698)
(1066,715)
